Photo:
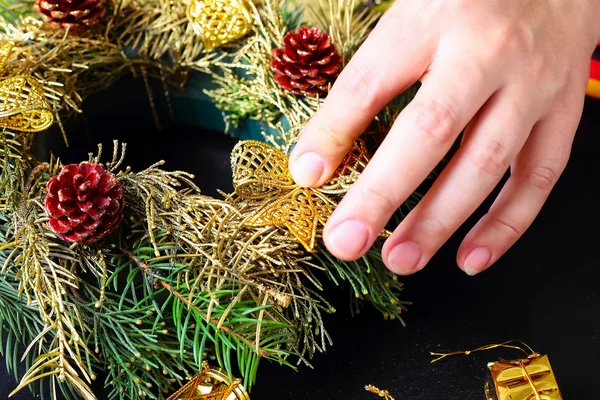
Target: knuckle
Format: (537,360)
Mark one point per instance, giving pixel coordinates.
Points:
(513,38)
(332,142)
(491,158)
(544,177)
(512,230)
(379,198)
(434,226)
(361,86)
(436,122)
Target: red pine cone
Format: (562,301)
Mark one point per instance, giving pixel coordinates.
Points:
(307,63)
(85,203)
(78,15)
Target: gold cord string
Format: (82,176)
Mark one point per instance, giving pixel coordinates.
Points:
(506,344)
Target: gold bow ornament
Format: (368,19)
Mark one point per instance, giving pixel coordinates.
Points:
(261,174)
(220,21)
(211,384)
(23,106)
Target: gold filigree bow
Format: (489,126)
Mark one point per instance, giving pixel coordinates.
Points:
(260,173)
(23,106)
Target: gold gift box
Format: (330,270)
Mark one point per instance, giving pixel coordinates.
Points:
(524,379)
(211,384)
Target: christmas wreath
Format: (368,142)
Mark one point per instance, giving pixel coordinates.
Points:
(136,275)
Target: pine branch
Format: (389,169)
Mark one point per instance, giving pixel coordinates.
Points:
(136,346)
(282,112)
(20,324)
(346,23)
(12,10)
(225,319)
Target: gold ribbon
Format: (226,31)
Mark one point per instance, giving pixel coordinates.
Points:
(260,173)
(23,106)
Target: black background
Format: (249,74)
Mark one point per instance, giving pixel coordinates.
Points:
(545,290)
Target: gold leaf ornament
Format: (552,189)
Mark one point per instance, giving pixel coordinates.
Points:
(23,106)
(220,21)
(260,173)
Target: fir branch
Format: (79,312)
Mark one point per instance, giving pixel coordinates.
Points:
(156,29)
(137,347)
(223,317)
(346,23)
(11,10)
(20,324)
(282,112)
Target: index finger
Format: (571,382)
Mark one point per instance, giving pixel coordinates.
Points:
(394,56)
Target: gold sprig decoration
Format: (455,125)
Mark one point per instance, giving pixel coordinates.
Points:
(379,392)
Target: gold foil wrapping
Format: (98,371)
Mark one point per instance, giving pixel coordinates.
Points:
(211,384)
(220,21)
(524,379)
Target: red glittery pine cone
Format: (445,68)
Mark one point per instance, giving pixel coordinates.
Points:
(85,203)
(307,63)
(77,15)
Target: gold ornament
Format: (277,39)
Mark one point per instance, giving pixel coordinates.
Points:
(260,173)
(211,384)
(528,378)
(379,392)
(23,106)
(524,379)
(220,21)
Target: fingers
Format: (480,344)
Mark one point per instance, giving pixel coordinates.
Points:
(394,57)
(534,174)
(420,137)
(493,140)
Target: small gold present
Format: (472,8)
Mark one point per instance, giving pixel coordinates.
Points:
(211,384)
(530,378)
(220,21)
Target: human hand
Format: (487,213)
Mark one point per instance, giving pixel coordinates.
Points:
(513,72)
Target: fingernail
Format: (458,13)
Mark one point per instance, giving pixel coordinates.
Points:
(404,258)
(477,260)
(307,169)
(348,240)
